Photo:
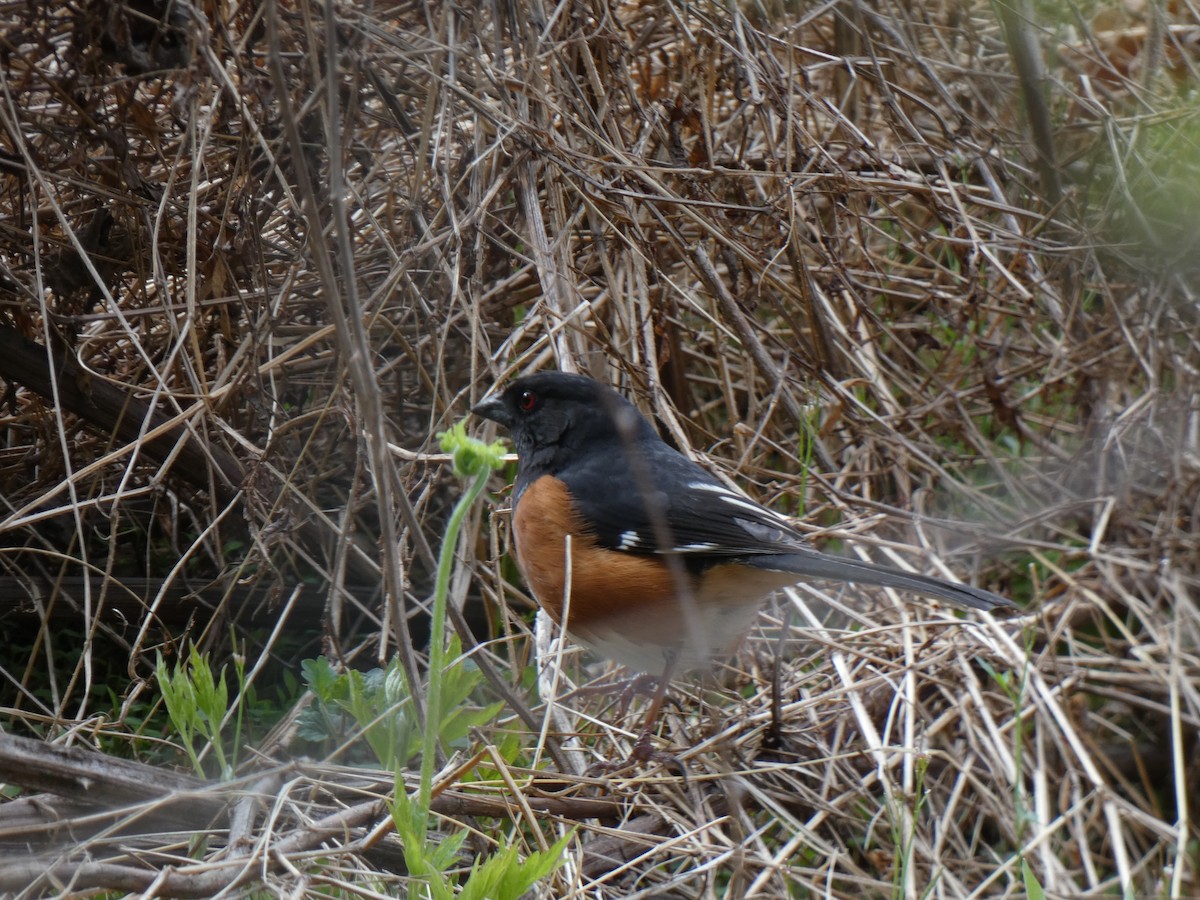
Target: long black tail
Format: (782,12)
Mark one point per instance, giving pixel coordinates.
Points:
(816,565)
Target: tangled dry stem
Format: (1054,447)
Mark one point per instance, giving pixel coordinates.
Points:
(241,251)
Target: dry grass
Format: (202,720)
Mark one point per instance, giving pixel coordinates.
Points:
(814,241)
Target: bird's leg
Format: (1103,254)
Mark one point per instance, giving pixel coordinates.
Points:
(643,748)
(645,741)
(652,686)
(642,684)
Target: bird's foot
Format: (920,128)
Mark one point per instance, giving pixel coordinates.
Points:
(625,689)
(643,753)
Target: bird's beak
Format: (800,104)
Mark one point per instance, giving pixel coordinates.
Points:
(492,407)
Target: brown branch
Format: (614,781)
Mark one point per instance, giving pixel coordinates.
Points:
(114,409)
(130,798)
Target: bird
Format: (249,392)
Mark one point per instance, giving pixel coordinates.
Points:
(639,553)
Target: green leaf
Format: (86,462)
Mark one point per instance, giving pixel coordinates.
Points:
(536,867)
(505,876)
(1033,887)
(471,456)
(412,828)
(319,676)
(445,852)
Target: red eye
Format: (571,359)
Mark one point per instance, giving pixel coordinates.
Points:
(527,400)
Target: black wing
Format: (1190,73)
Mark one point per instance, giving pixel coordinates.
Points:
(675,506)
(671,505)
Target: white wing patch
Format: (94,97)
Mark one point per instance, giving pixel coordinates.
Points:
(629,540)
(734,499)
(713,488)
(745,504)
